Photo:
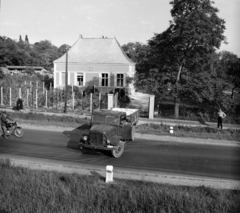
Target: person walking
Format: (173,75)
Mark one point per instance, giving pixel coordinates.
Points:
(221,116)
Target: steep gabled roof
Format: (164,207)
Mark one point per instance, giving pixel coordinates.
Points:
(96,51)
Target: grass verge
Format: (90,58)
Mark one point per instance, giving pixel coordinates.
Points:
(186,131)
(24,190)
(154,129)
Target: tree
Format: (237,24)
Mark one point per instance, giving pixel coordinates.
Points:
(136,51)
(20,39)
(229,69)
(26,39)
(47,53)
(1,73)
(193,35)
(62,49)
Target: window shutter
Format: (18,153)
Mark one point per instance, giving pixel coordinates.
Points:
(72,78)
(115,80)
(111,83)
(57,79)
(63,79)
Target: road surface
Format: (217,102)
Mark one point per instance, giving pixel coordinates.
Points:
(145,155)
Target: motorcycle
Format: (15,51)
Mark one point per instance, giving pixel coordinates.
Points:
(13,128)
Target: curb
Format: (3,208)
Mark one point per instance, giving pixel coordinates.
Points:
(118,173)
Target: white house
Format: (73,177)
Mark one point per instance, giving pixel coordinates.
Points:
(99,62)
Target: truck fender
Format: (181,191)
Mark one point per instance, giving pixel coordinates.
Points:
(115,140)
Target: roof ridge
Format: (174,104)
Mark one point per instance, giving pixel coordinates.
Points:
(96,50)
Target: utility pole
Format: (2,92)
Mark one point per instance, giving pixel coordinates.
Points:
(66,82)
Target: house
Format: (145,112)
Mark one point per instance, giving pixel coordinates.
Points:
(98,62)
(24,70)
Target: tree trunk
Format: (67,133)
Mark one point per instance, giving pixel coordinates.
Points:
(176,100)
(232,95)
(176,108)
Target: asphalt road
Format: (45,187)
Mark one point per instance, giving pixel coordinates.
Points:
(145,155)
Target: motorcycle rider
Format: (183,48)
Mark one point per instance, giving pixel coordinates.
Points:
(4,122)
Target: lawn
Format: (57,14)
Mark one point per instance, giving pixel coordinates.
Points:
(24,190)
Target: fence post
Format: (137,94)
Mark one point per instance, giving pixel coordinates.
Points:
(43,86)
(91,103)
(36,98)
(116,99)
(20,93)
(73,94)
(72,97)
(82,100)
(151,107)
(99,99)
(27,97)
(56,93)
(110,101)
(46,99)
(10,96)
(1,96)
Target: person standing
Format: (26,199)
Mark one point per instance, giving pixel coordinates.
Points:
(221,116)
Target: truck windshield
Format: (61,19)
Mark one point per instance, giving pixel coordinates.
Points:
(111,120)
(105,119)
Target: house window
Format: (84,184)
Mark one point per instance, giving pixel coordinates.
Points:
(120,78)
(80,79)
(105,79)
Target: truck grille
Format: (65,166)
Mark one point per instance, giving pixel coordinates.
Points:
(96,139)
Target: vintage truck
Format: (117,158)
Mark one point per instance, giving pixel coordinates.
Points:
(110,129)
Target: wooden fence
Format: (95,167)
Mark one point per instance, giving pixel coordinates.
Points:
(40,97)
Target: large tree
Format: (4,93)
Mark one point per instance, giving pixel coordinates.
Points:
(229,69)
(47,53)
(193,35)
(136,51)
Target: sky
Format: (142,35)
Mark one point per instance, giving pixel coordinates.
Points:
(63,21)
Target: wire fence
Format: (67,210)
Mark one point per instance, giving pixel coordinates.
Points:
(33,96)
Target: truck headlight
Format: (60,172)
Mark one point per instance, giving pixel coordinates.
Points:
(85,137)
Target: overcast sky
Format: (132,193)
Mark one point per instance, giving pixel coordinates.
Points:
(62,21)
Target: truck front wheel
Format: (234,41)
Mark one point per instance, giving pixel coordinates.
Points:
(116,153)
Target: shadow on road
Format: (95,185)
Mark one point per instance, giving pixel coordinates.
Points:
(75,135)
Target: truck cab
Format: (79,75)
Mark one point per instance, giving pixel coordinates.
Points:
(110,129)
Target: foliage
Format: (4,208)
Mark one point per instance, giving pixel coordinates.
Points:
(22,53)
(2,75)
(136,51)
(25,190)
(229,69)
(31,116)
